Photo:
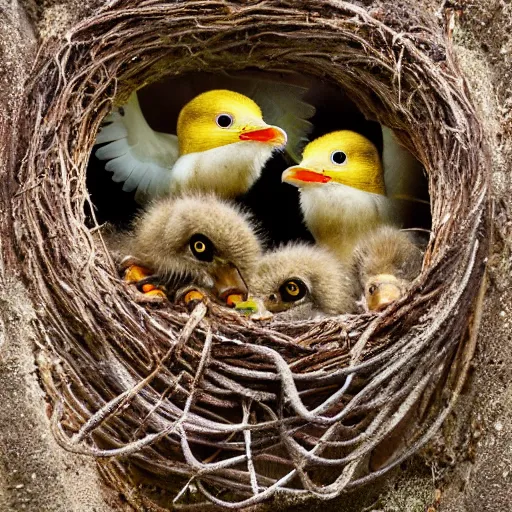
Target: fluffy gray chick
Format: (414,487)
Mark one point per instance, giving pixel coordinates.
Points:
(386,261)
(197,240)
(302,281)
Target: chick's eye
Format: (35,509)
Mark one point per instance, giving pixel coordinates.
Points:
(293,290)
(201,247)
(338,157)
(224,120)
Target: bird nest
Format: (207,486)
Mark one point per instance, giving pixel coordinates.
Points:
(209,406)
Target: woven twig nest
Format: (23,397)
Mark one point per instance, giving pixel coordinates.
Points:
(211,400)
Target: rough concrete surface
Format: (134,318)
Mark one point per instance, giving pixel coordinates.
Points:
(35,473)
(467,468)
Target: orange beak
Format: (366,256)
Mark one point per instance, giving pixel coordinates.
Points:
(381,291)
(298,176)
(271,135)
(228,282)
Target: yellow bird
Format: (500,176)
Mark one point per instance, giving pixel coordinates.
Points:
(221,145)
(342,190)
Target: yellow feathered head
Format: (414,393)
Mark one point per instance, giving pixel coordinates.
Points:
(342,157)
(220,117)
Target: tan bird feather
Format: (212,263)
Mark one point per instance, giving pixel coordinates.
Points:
(303,281)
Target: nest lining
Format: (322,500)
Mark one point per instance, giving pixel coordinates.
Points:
(239,410)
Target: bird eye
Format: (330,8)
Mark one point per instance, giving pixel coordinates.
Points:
(224,120)
(201,247)
(372,289)
(293,290)
(338,157)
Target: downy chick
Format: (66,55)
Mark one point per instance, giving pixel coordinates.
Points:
(345,192)
(221,146)
(196,240)
(386,261)
(342,190)
(302,282)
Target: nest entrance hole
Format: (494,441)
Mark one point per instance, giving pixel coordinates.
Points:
(275,205)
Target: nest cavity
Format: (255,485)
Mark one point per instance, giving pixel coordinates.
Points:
(209,407)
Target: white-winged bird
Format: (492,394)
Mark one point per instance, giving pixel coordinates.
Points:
(344,190)
(221,144)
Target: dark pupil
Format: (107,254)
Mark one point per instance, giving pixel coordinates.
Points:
(338,157)
(224,121)
(202,248)
(292,291)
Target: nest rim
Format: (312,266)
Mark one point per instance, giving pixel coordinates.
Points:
(90,319)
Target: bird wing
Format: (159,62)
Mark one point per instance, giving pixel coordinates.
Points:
(137,155)
(282,105)
(403,174)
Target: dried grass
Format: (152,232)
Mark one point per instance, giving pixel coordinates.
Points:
(212,401)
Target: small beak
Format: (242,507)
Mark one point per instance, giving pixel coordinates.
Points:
(300,176)
(228,282)
(381,291)
(271,135)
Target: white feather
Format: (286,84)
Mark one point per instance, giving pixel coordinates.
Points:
(137,155)
(133,181)
(111,132)
(113,150)
(122,167)
(282,105)
(338,215)
(403,174)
